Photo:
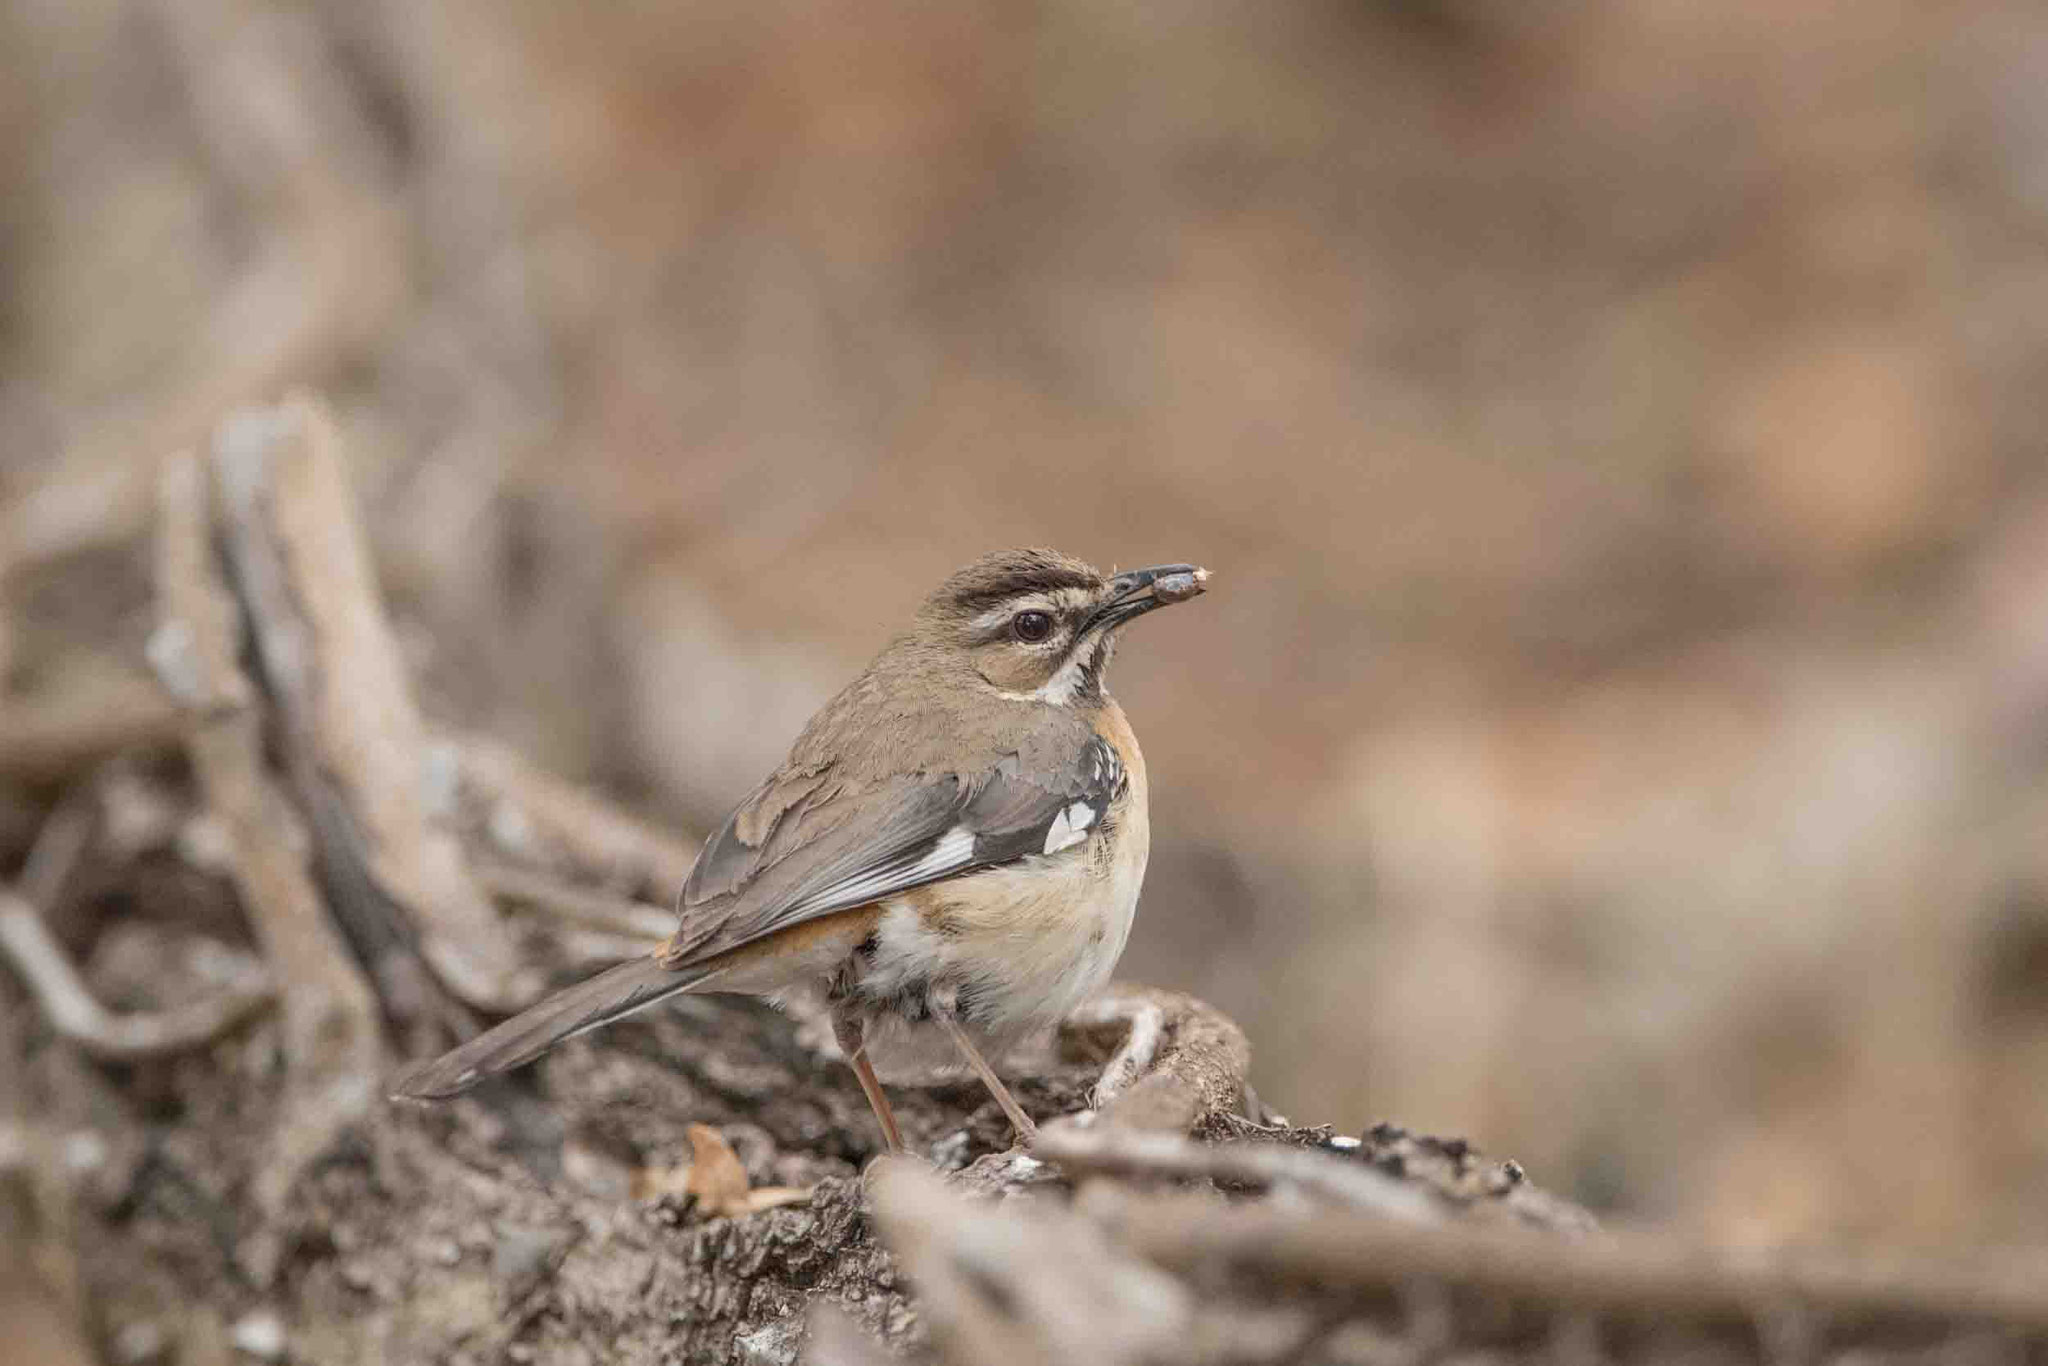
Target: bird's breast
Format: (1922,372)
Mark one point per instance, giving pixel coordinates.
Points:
(1021,944)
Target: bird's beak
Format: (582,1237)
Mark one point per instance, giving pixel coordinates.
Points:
(1137,591)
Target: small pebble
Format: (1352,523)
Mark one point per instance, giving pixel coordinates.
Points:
(260,1335)
(204,843)
(441,778)
(1344,1143)
(774,1344)
(84,1151)
(949,1154)
(140,1343)
(509,827)
(1180,587)
(525,1256)
(596,1173)
(172,652)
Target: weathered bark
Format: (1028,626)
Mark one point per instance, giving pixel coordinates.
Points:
(331,1038)
(344,715)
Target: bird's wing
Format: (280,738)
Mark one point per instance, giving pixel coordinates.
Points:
(806,845)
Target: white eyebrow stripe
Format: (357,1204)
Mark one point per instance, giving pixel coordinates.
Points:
(1056,601)
(995,616)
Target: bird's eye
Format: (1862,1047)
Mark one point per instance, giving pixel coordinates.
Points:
(1031,627)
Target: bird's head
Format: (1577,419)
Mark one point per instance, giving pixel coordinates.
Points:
(1040,626)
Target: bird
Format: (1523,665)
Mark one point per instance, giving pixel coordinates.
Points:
(953,847)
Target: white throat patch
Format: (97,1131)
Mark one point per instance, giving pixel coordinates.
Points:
(1063,687)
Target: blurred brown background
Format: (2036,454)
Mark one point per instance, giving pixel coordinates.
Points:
(1620,728)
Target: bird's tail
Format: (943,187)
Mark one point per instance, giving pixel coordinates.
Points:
(611,995)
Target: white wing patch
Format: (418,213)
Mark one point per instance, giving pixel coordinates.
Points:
(1069,828)
(954,848)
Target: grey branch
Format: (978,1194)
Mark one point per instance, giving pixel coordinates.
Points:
(75,1013)
(353,742)
(535,820)
(62,994)
(1639,1275)
(634,921)
(332,1038)
(1104,1149)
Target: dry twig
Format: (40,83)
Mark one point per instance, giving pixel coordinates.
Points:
(1638,1275)
(59,847)
(1179,1059)
(1145,1027)
(126,1036)
(536,820)
(331,1033)
(636,921)
(62,731)
(1013,1289)
(350,732)
(61,993)
(1108,1149)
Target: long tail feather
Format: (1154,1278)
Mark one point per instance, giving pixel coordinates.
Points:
(611,995)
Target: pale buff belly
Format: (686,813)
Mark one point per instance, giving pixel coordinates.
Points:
(1014,948)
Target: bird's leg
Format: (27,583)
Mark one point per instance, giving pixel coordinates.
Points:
(1026,1130)
(852,1036)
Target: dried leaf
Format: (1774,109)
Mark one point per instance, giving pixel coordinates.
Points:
(715,1180)
(653,1183)
(716,1177)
